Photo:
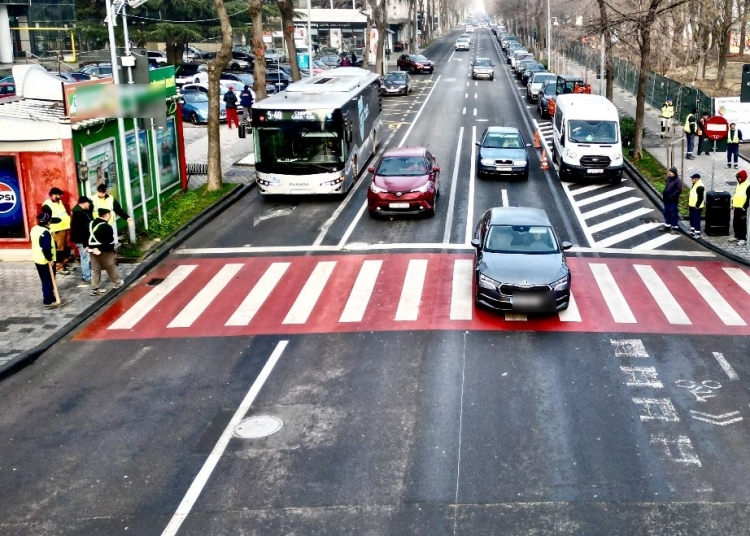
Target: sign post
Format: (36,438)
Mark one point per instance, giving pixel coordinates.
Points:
(716,129)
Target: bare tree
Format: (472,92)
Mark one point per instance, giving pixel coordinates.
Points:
(379,14)
(606,31)
(259,73)
(744,7)
(724,21)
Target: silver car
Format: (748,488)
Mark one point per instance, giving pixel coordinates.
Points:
(536,81)
(463,43)
(482,68)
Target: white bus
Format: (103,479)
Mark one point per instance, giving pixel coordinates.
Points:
(315,136)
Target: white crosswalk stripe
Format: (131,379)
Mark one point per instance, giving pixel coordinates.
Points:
(258,296)
(630,233)
(203,299)
(462,296)
(663,298)
(411,292)
(654,243)
(609,207)
(739,277)
(602,196)
(712,296)
(616,303)
(571,314)
(308,297)
(585,189)
(359,298)
(617,220)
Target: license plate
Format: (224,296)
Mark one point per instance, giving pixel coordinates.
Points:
(595,171)
(398,205)
(504,168)
(528,300)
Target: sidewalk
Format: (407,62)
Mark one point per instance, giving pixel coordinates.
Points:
(723,178)
(25,324)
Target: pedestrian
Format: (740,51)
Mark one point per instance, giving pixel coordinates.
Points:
(671,197)
(246,101)
(344,62)
(231,102)
(696,200)
(667,113)
(354,59)
(59,227)
(80,222)
(102,250)
(734,138)
(690,128)
(702,123)
(739,204)
(104,200)
(43,253)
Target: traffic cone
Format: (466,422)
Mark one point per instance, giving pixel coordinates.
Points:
(545,164)
(537,141)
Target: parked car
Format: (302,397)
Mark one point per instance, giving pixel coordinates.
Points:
(6,79)
(547,92)
(535,84)
(529,72)
(191,54)
(275,55)
(519,262)
(482,68)
(328,51)
(246,79)
(415,63)
(97,70)
(331,60)
(279,79)
(79,77)
(157,56)
(405,181)
(502,151)
(396,83)
(195,107)
(188,73)
(241,61)
(7,89)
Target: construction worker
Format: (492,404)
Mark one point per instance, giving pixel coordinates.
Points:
(103,200)
(696,200)
(739,204)
(43,253)
(734,138)
(690,128)
(667,113)
(102,250)
(59,227)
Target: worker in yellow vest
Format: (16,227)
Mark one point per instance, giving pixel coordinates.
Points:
(690,128)
(59,227)
(43,254)
(734,138)
(696,200)
(739,204)
(103,200)
(667,113)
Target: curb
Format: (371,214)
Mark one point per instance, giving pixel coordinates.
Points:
(152,258)
(654,196)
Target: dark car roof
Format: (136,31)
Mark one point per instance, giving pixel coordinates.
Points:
(571,77)
(518,216)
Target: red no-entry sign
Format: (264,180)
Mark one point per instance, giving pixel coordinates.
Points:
(716,128)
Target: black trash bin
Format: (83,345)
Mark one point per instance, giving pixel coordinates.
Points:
(718,209)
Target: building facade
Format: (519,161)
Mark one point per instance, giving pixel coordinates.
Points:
(53,20)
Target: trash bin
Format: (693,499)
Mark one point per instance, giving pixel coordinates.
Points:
(717,213)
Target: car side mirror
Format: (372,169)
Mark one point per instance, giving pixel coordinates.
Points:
(478,144)
(436,169)
(475,243)
(371,169)
(566,245)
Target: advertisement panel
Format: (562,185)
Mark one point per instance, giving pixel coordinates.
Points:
(11,208)
(166,145)
(133,167)
(102,168)
(734,111)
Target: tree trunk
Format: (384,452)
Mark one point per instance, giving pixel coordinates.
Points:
(608,67)
(366,54)
(287,22)
(259,71)
(724,40)
(743,24)
(215,66)
(645,25)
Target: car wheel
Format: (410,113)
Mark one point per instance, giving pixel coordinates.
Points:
(412,70)
(526,175)
(373,214)
(492,78)
(194,119)
(617,180)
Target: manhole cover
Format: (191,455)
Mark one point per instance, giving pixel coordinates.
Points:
(257,427)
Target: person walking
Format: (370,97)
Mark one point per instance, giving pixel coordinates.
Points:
(739,204)
(702,123)
(667,113)
(80,221)
(344,62)
(59,227)
(690,128)
(102,250)
(696,200)
(43,253)
(246,101)
(734,138)
(671,197)
(354,59)
(104,200)
(230,99)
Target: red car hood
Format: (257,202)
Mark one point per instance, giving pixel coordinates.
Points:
(400,184)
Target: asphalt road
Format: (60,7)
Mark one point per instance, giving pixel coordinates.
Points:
(424,425)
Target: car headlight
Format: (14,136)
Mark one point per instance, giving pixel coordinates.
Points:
(374,188)
(488,282)
(519,162)
(424,188)
(487,161)
(561,283)
(617,158)
(572,154)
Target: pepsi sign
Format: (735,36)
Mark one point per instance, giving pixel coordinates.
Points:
(11,207)
(8,198)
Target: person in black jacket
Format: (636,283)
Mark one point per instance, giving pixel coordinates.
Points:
(230,99)
(671,196)
(102,249)
(80,220)
(246,101)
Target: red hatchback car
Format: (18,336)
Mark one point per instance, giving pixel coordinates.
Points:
(405,181)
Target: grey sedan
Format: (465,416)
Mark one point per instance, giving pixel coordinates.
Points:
(502,152)
(482,68)
(396,83)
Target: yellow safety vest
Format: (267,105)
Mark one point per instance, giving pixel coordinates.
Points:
(667,111)
(37,255)
(740,195)
(687,122)
(58,211)
(108,203)
(735,138)
(693,198)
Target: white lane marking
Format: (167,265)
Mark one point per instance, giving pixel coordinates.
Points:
(654,243)
(475,112)
(618,306)
(617,220)
(361,292)
(462,290)
(713,419)
(258,295)
(209,465)
(411,292)
(143,306)
(472,179)
(572,201)
(726,366)
(476,84)
(205,297)
(310,293)
(515,317)
(740,277)
(449,59)
(571,314)
(685,453)
(466,95)
(504,197)
(602,196)
(622,251)
(625,235)
(712,296)
(353,224)
(475,95)
(609,208)
(454,185)
(629,348)
(315,249)
(419,113)
(657,409)
(642,377)
(464,112)
(663,298)
(584,189)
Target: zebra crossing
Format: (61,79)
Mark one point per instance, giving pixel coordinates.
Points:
(349,293)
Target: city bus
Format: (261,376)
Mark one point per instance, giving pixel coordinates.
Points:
(316,136)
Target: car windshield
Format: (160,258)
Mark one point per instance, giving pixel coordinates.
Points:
(482,62)
(549,89)
(595,131)
(195,97)
(525,239)
(395,77)
(541,79)
(503,140)
(402,166)
(418,57)
(186,70)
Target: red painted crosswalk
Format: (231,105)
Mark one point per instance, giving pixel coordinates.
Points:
(348,293)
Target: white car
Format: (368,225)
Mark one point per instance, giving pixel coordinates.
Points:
(463,43)
(275,55)
(469,28)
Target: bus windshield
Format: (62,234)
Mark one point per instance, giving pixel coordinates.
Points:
(299,144)
(596,131)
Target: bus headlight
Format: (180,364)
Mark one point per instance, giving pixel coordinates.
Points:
(334,182)
(268,181)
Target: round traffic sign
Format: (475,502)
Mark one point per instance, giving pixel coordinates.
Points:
(716,128)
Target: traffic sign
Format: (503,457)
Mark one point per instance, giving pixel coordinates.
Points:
(716,128)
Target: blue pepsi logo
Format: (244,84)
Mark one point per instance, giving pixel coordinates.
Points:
(8,198)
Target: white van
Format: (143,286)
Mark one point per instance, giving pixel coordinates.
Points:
(586,138)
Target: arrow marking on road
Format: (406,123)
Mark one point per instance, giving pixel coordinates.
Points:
(712,419)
